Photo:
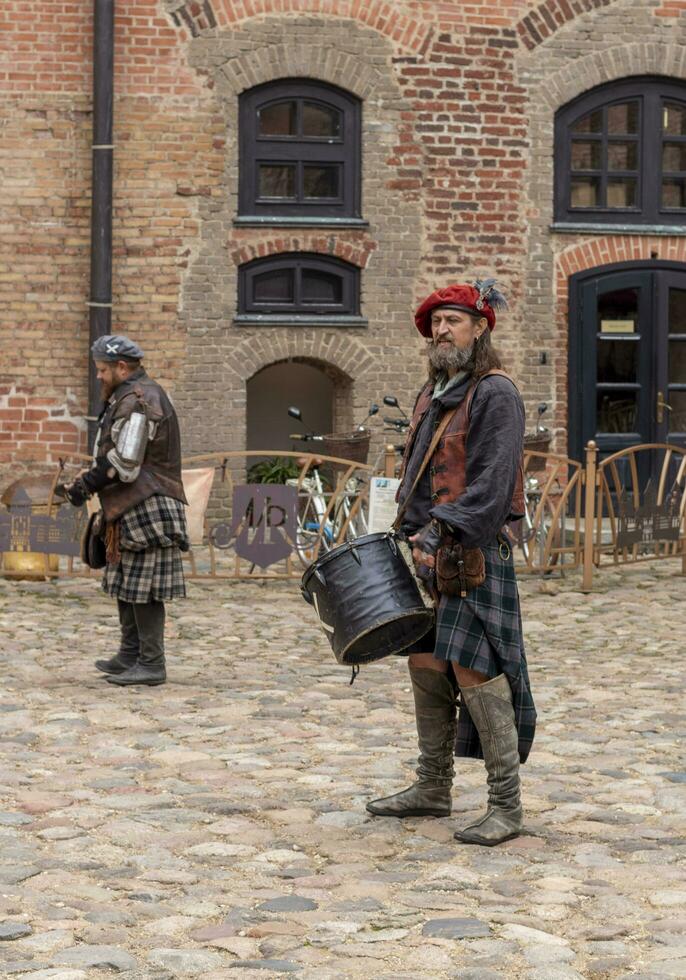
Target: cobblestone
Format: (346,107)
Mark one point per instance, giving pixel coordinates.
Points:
(217,824)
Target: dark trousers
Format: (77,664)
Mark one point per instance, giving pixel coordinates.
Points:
(142,631)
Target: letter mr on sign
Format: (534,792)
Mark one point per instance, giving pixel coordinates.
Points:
(264,522)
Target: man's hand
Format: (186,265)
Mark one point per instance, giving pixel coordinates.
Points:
(425,544)
(77,493)
(420,557)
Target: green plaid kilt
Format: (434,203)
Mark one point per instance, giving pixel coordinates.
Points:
(152,536)
(484,632)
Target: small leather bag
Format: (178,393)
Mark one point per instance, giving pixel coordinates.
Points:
(459,569)
(93,551)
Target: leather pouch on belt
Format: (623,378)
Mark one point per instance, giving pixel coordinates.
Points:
(459,569)
(93,551)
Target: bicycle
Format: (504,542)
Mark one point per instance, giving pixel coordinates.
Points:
(397,425)
(320,527)
(538,523)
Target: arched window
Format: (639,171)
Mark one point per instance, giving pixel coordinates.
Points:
(620,154)
(299,151)
(299,287)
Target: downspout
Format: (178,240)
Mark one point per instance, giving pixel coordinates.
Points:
(100,303)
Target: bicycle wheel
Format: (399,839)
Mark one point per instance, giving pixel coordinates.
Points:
(358,523)
(310,540)
(310,544)
(526,532)
(549,533)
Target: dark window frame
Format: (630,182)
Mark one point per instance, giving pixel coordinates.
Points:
(299,262)
(343,151)
(652,94)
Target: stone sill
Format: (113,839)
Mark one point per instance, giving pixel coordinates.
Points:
(284,320)
(297,221)
(597,228)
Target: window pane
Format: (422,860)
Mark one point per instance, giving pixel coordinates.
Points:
(319,120)
(618,312)
(274,287)
(674,193)
(677,362)
(321,287)
(585,192)
(277,119)
(276,180)
(621,193)
(674,156)
(677,311)
(622,156)
(617,361)
(320,181)
(622,119)
(617,411)
(674,119)
(590,123)
(586,155)
(677,417)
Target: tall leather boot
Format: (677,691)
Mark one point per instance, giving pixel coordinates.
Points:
(128,646)
(490,707)
(150,668)
(436,712)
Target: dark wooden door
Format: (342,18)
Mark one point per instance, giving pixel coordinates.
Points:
(628,369)
(670,395)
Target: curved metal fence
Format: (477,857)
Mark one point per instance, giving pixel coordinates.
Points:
(588,515)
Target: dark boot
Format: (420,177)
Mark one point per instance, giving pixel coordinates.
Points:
(150,667)
(435,711)
(128,646)
(490,707)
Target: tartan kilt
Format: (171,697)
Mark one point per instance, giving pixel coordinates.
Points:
(483,632)
(151,537)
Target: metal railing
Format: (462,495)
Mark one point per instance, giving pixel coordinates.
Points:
(586,516)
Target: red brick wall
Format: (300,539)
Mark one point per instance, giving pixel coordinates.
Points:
(34,431)
(450,199)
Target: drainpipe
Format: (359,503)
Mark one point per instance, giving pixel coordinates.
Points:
(100,303)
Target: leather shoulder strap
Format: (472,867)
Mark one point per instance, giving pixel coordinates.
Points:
(494,372)
(442,426)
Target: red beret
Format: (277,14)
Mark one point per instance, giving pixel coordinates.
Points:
(462,297)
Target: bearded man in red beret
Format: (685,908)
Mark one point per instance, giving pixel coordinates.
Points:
(470,487)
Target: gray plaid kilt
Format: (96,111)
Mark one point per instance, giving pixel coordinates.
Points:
(152,536)
(484,632)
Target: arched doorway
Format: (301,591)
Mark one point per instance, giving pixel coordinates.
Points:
(273,389)
(627,367)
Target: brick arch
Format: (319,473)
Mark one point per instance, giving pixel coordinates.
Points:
(620,61)
(548,17)
(348,355)
(340,376)
(301,60)
(357,253)
(400,24)
(609,249)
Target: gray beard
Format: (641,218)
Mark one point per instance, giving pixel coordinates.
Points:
(450,359)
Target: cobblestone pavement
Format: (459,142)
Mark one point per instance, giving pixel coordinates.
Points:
(215,827)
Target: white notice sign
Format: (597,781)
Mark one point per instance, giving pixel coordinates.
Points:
(382,505)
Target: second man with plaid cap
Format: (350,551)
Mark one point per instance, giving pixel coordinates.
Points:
(461,481)
(136,473)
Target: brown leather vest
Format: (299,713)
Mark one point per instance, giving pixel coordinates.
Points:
(161,468)
(448,466)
